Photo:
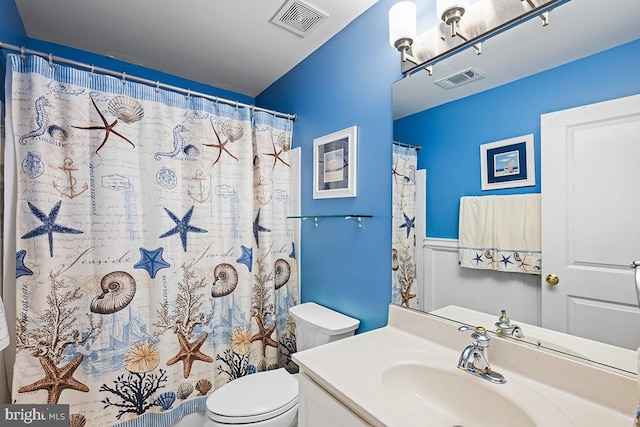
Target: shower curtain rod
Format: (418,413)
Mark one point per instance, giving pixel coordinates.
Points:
(51,58)
(400,144)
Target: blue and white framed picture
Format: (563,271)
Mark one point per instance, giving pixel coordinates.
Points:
(334,164)
(508,163)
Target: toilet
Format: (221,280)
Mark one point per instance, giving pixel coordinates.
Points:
(270,398)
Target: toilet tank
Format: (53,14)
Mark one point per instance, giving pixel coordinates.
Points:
(317,325)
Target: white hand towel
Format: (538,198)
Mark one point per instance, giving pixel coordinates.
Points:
(501,233)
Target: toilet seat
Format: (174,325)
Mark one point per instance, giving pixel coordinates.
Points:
(254,398)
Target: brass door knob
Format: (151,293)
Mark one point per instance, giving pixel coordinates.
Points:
(552,279)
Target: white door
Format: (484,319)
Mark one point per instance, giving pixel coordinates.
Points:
(591,220)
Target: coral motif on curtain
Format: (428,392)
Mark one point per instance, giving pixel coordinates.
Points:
(154,261)
(403,246)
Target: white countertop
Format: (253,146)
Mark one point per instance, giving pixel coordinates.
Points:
(605,354)
(351,369)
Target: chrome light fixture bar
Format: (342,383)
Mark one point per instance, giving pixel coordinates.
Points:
(462,26)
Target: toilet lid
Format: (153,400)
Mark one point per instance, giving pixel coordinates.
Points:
(254,398)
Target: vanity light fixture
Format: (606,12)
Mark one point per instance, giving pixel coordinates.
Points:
(402,28)
(451,11)
(463,25)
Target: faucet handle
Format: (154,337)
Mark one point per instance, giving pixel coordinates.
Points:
(505,327)
(479,335)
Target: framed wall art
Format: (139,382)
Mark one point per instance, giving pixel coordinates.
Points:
(508,163)
(334,164)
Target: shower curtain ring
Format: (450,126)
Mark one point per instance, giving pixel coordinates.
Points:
(124,78)
(188,95)
(22,52)
(157,86)
(51,60)
(93,68)
(236,105)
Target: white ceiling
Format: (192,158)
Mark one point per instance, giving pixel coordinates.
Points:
(229,44)
(577,29)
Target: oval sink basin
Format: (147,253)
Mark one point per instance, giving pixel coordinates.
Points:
(453,398)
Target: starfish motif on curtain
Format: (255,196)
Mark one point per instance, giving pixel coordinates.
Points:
(247,257)
(49,225)
(276,155)
(182,227)
(257,228)
(264,335)
(220,146)
(21,269)
(406,295)
(395,173)
(108,128)
(408,223)
(56,379)
(189,353)
(151,261)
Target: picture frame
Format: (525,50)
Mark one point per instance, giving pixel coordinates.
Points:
(335,164)
(508,163)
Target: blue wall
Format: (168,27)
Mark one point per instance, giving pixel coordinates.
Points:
(451,154)
(347,82)
(11,32)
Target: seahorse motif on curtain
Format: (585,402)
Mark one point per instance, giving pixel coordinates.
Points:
(403,246)
(154,261)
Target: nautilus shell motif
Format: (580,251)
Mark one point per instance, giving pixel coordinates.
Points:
(126,109)
(203,386)
(226,280)
(232,130)
(118,289)
(184,390)
(283,272)
(394,259)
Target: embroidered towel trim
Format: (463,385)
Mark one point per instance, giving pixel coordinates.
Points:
(501,233)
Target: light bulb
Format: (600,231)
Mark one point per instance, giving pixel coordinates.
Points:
(402,22)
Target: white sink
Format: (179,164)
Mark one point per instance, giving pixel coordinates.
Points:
(430,388)
(450,399)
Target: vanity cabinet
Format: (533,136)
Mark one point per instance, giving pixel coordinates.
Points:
(317,408)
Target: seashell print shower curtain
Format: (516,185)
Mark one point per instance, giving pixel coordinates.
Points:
(403,243)
(154,261)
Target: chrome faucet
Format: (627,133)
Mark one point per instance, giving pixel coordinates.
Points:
(475,357)
(505,327)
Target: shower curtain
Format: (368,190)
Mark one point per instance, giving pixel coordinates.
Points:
(154,261)
(403,250)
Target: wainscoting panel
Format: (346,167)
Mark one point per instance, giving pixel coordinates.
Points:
(446,283)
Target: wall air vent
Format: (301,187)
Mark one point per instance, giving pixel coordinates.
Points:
(299,17)
(463,77)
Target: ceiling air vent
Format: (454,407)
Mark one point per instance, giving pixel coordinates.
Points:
(299,17)
(463,77)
